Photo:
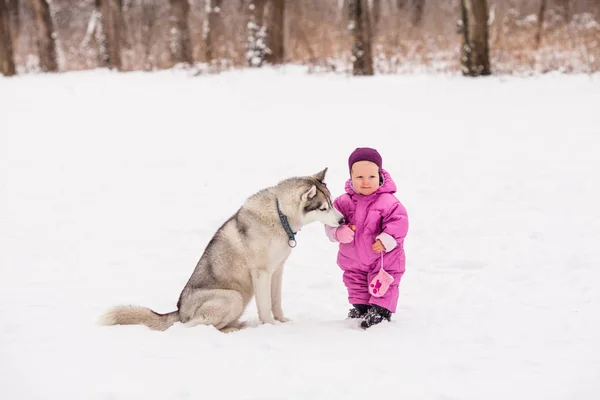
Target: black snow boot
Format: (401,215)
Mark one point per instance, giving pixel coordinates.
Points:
(358,311)
(375,315)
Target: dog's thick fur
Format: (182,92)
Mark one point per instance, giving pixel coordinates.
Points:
(245,257)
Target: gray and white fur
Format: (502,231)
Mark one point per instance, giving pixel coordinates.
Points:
(244,258)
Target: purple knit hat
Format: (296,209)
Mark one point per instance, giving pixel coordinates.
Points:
(364,154)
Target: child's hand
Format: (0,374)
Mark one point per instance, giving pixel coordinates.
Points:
(344,234)
(378,247)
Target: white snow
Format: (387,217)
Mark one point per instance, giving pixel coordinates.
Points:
(112,185)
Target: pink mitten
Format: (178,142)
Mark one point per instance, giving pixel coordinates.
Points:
(344,234)
(380,284)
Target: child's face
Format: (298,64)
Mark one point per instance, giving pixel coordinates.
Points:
(365,177)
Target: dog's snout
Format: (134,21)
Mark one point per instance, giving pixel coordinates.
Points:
(341,221)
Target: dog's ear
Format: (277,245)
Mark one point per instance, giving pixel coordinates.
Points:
(320,176)
(312,192)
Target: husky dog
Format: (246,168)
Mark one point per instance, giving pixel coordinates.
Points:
(245,257)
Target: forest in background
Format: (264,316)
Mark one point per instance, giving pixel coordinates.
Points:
(355,36)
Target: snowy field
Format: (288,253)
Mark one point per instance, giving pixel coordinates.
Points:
(112,185)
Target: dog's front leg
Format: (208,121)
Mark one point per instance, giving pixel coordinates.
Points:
(276,294)
(261,280)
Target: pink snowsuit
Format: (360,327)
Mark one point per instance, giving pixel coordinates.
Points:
(377,216)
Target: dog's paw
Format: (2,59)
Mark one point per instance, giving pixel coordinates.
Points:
(282,319)
(229,329)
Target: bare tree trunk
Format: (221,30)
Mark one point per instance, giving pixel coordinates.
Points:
(360,32)
(376,16)
(401,6)
(257,32)
(97,30)
(475,55)
(111,31)
(149,11)
(7,62)
(15,22)
(274,15)
(213,29)
(502,18)
(417,12)
(180,44)
(45,35)
(538,34)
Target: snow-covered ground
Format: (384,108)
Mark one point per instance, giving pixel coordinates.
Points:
(112,185)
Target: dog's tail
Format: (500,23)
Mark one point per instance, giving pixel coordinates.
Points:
(134,315)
